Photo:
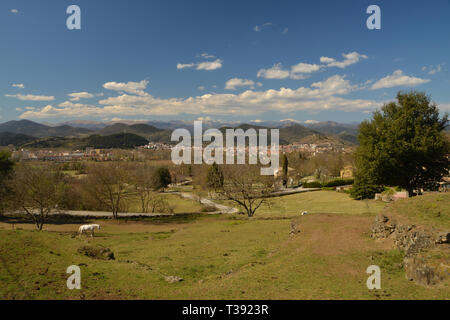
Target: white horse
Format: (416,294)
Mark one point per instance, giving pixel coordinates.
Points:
(88,227)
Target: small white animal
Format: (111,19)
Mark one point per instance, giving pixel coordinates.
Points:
(304,213)
(88,227)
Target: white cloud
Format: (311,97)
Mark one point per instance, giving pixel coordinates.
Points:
(30,97)
(311,121)
(303,70)
(18,85)
(201,88)
(206,65)
(319,96)
(76,96)
(433,70)
(233,83)
(349,59)
(205,55)
(444,106)
(185,65)
(398,79)
(129,87)
(15,11)
(210,65)
(276,72)
(259,28)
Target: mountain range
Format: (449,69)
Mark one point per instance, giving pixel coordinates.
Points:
(25,132)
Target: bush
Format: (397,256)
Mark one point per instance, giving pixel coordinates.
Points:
(365,191)
(338,182)
(314,184)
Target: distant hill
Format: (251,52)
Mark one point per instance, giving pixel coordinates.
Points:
(118,140)
(347,132)
(140,128)
(56,142)
(16,139)
(295,133)
(38,130)
(146,131)
(86,124)
(334,127)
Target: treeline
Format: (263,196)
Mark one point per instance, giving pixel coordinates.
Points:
(40,190)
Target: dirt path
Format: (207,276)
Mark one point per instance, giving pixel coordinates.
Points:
(206,202)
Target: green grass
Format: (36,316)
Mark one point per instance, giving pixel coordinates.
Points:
(315,202)
(430,209)
(218,256)
(178,204)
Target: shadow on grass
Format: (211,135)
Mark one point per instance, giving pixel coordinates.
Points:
(61,219)
(160,220)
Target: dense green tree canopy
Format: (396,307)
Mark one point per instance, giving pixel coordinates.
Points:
(6,165)
(161,178)
(403,145)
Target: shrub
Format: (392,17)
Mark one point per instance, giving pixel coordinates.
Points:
(313,184)
(365,191)
(338,182)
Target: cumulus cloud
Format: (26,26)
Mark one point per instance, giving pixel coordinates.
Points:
(15,11)
(210,65)
(129,87)
(398,79)
(203,65)
(275,72)
(325,95)
(18,85)
(30,97)
(185,65)
(205,56)
(303,70)
(349,59)
(433,70)
(76,96)
(311,121)
(233,83)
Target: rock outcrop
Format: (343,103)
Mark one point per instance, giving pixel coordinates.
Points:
(417,244)
(97,252)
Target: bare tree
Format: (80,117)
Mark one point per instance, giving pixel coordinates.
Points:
(37,190)
(144,186)
(244,185)
(108,183)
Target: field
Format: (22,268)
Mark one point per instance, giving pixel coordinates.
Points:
(217,256)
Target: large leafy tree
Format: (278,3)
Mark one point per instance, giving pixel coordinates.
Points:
(404,144)
(6,164)
(6,169)
(161,178)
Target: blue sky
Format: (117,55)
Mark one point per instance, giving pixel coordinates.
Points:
(227,60)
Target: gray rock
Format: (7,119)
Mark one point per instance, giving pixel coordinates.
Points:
(173,279)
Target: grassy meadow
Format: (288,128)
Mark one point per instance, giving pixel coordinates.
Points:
(217,256)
